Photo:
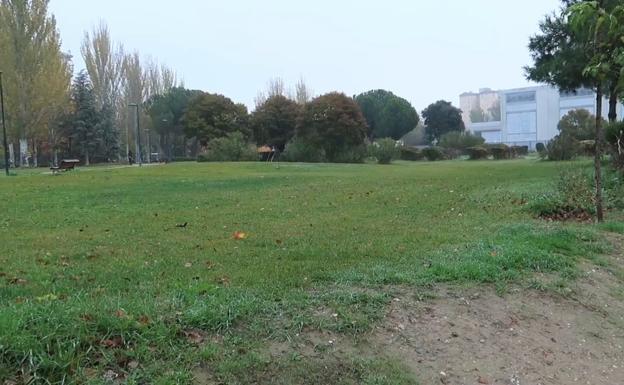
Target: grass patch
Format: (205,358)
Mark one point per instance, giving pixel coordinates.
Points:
(136,273)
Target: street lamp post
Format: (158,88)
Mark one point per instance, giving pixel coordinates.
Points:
(4,136)
(138,132)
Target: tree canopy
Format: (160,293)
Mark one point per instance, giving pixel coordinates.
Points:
(210,116)
(387,115)
(274,121)
(332,122)
(441,117)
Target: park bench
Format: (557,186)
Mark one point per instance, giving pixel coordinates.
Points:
(65,165)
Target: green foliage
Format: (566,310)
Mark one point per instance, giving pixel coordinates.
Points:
(386,114)
(334,123)
(477,153)
(212,116)
(384,150)
(433,153)
(460,141)
(573,197)
(85,119)
(579,124)
(298,150)
(275,121)
(416,137)
(167,112)
(614,136)
(563,147)
(520,150)
(232,148)
(440,118)
(410,153)
(500,151)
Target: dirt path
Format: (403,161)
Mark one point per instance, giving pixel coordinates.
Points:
(473,336)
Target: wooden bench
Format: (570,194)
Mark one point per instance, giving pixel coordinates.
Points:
(65,165)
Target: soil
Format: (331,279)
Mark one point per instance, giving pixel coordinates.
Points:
(473,336)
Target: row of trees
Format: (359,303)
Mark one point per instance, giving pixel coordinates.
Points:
(49,115)
(46,113)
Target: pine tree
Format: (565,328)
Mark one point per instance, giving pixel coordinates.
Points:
(86,118)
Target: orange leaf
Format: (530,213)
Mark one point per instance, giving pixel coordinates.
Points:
(239,235)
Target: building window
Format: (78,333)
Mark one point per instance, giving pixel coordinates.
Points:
(521,97)
(579,92)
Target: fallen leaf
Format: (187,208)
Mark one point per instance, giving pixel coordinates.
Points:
(188,265)
(144,320)
(278,241)
(193,336)
(112,343)
(133,365)
(239,235)
(225,281)
(483,381)
(120,313)
(17,281)
(210,265)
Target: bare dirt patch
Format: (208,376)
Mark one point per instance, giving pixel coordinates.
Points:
(473,336)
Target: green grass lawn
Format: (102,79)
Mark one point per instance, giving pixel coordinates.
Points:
(97,278)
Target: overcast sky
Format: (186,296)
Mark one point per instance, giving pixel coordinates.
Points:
(422,51)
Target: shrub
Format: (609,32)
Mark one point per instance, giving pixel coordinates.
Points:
(350,154)
(587,147)
(298,150)
(541,149)
(384,150)
(500,151)
(563,147)
(572,198)
(433,153)
(477,152)
(614,135)
(520,150)
(232,148)
(460,141)
(410,153)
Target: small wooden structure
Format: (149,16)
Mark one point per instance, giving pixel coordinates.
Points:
(65,165)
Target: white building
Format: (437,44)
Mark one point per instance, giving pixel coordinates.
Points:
(523,116)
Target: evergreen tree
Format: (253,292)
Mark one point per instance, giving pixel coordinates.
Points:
(86,117)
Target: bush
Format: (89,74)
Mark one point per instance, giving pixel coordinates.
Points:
(384,150)
(433,153)
(541,149)
(460,141)
(232,148)
(614,135)
(587,147)
(500,151)
(477,152)
(350,154)
(411,154)
(572,198)
(563,147)
(520,150)
(298,150)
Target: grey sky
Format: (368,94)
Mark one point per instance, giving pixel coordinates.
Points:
(422,51)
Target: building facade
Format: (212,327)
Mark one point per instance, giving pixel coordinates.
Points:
(523,116)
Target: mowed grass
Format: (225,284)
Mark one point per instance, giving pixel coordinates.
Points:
(135,273)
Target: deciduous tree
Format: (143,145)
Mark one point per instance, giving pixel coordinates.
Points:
(441,117)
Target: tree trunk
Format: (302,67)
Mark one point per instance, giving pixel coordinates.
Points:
(613,102)
(35,154)
(598,157)
(55,154)
(86,156)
